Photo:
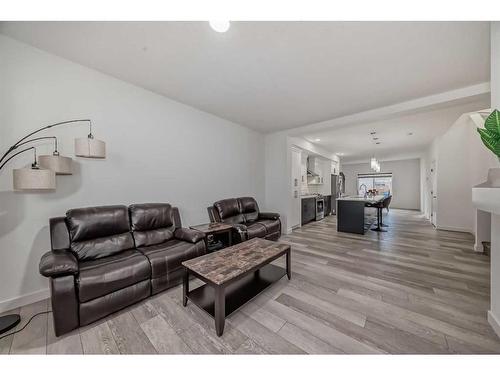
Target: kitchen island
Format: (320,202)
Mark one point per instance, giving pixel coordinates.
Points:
(352,215)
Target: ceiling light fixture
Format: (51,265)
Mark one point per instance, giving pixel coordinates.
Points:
(317,140)
(220,26)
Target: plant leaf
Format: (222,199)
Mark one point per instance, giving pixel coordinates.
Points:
(492,123)
(489,134)
(491,143)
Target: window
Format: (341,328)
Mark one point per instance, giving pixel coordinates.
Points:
(381,182)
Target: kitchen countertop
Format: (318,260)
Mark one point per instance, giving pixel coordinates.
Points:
(360,198)
(308,196)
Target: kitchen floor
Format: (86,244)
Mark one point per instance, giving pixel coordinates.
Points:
(412,289)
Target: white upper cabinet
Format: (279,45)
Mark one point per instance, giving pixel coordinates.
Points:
(334,167)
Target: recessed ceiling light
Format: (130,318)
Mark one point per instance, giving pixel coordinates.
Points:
(317,140)
(220,26)
(377,143)
(375,138)
(410,133)
(372,133)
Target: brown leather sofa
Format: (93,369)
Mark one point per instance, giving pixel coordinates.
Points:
(106,258)
(247,220)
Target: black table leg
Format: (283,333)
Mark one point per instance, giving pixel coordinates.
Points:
(220,310)
(289,264)
(185,287)
(230,239)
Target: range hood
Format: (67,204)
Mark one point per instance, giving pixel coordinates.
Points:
(312,167)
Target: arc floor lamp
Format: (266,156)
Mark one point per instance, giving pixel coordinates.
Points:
(42,173)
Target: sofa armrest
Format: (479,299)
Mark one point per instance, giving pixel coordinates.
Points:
(239,233)
(189,235)
(269,215)
(58,263)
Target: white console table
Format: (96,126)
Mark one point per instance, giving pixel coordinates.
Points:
(486,198)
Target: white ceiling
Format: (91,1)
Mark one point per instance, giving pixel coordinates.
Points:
(355,143)
(275,75)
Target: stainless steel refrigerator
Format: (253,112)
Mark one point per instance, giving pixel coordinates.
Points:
(338,189)
(333,205)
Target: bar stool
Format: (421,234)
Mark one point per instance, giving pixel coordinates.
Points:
(379,206)
(385,204)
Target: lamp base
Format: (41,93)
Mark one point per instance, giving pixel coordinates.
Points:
(8,321)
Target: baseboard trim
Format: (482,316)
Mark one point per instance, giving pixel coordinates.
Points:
(454,229)
(494,322)
(24,300)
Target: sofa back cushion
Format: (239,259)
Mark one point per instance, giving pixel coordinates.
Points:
(229,211)
(249,208)
(97,232)
(152,223)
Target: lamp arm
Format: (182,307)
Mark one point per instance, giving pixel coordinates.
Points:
(17,153)
(39,139)
(19,142)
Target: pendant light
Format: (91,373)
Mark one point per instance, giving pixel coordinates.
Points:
(61,165)
(34,177)
(90,147)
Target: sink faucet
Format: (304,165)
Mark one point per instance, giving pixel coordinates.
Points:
(366,189)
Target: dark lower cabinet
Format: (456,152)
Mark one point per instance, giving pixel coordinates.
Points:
(308,212)
(328,205)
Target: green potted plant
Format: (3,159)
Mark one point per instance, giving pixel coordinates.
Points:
(490,136)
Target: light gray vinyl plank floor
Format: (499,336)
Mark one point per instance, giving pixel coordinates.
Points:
(412,289)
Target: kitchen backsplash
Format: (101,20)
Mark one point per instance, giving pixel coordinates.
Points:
(310,189)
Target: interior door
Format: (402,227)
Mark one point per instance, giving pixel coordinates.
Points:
(433,192)
(296,182)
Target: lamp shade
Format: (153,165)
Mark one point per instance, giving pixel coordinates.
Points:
(34,179)
(56,163)
(90,148)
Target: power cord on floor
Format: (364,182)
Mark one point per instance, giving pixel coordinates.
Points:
(29,321)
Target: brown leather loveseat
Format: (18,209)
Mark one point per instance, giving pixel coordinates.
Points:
(106,258)
(244,215)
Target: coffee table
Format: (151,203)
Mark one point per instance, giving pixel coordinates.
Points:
(233,276)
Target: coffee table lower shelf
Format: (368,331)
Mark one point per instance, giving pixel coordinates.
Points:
(238,292)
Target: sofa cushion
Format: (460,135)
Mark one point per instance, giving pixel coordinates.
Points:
(168,256)
(229,211)
(255,230)
(249,208)
(98,232)
(151,223)
(271,225)
(106,275)
(94,222)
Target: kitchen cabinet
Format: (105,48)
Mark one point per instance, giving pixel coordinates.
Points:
(328,204)
(335,167)
(308,210)
(303,170)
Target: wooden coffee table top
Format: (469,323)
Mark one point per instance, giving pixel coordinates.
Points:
(224,265)
(211,227)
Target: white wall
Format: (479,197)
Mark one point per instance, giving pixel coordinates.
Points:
(405,180)
(462,162)
(158,151)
